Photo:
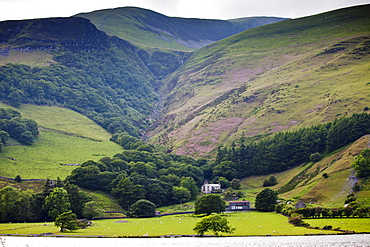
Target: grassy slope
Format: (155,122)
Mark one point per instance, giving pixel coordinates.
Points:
(147,28)
(246,224)
(29,57)
(286,75)
(313,187)
(66,137)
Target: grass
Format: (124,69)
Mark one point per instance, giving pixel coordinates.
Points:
(66,137)
(313,188)
(359,225)
(246,224)
(104,200)
(280,66)
(31,58)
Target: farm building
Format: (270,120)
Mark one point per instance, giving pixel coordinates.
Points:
(211,188)
(238,205)
(300,204)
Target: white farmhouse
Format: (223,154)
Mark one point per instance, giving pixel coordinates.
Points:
(210,188)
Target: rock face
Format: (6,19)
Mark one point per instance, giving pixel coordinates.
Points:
(74,32)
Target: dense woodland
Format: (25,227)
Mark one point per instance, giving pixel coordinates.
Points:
(55,198)
(287,149)
(12,125)
(163,179)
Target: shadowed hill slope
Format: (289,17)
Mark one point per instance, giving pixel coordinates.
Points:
(147,28)
(82,68)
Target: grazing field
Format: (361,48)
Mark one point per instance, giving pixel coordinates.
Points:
(246,224)
(359,225)
(66,138)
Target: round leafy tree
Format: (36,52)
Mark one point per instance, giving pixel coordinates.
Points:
(266,200)
(142,209)
(67,220)
(362,163)
(214,223)
(209,204)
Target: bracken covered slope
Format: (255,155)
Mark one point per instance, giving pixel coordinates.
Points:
(286,75)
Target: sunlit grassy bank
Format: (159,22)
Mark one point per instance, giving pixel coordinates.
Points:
(66,137)
(358,225)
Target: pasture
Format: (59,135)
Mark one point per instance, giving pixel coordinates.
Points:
(66,138)
(359,225)
(246,224)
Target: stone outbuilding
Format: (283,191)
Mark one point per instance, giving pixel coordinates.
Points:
(300,204)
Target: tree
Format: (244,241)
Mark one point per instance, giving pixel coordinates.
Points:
(142,209)
(235,184)
(18,178)
(209,204)
(180,194)
(296,219)
(126,192)
(266,200)
(4,136)
(362,163)
(225,169)
(270,182)
(56,203)
(66,220)
(214,223)
(92,210)
(190,184)
(224,182)
(77,199)
(14,205)
(315,157)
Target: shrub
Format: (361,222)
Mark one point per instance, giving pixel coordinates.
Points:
(327,227)
(18,178)
(315,157)
(296,219)
(270,182)
(142,209)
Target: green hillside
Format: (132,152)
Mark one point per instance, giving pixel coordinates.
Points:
(286,75)
(79,67)
(66,138)
(82,85)
(147,28)
(308,183)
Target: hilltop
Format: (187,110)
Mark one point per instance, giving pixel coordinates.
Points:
(146,28)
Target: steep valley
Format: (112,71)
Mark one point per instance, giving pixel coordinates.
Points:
(114,74)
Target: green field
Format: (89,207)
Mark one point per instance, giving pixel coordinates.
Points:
(66,137)
(246,224)
(358,225)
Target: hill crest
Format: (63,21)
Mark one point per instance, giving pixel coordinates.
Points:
(150,29)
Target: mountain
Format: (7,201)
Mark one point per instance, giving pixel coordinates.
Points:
(68,62)
(283,76)
(146,28)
